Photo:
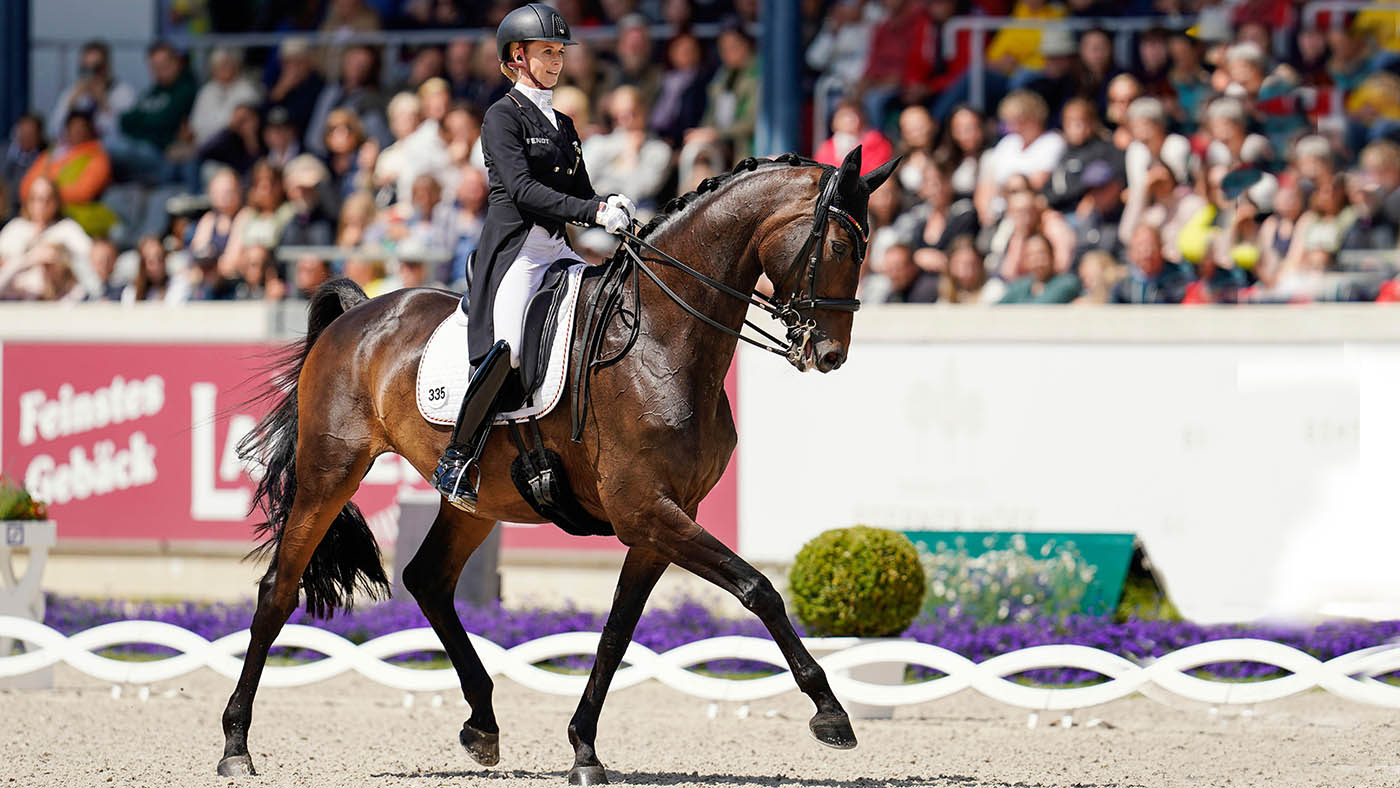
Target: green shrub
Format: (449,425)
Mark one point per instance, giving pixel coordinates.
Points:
(857,581)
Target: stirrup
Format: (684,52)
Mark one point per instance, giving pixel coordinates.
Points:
(452,478)
(462,493)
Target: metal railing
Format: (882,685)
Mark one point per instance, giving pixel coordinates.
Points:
(1386,261)
(376,252)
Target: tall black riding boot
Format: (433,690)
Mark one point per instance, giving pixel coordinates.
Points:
(474,422)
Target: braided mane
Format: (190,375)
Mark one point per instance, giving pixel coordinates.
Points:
(677,205)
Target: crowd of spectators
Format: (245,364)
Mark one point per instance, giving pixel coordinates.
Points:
(1236,158)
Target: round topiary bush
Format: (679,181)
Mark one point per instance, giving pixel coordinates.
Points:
(860,581)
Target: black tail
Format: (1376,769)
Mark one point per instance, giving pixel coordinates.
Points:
(347,559)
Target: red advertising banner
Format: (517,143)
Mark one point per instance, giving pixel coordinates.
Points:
(138,442)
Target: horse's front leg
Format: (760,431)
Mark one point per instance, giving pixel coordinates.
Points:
(666,529)
(640,571)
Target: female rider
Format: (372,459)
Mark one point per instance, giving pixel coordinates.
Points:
(534,162)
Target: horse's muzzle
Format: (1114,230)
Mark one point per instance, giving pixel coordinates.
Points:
(830,355)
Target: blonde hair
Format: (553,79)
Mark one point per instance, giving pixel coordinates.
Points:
(358,207)
(433,85)
(403,103)
(305,166)
(1027,104)
(573,102)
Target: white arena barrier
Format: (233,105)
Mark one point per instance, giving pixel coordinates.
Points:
(21,595)
(1350,676)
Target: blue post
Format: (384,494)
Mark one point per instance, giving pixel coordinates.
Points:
(14,63)
(780,50)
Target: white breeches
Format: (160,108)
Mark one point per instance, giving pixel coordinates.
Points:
(521,282)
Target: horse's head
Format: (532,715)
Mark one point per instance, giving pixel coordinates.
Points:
(814,263)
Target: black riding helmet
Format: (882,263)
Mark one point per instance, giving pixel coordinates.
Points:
(533,22)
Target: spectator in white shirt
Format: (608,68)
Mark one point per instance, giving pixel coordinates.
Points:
(1028,150)
(1146,119)
(1232,144)
(225,91)
(39,241)
(628,161)
(419,147)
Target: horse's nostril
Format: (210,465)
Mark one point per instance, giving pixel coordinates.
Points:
(831,360)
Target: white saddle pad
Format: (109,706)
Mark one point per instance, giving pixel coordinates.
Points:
(443,371)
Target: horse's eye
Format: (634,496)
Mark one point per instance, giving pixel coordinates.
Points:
(838,246)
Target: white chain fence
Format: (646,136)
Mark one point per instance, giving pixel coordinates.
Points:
(1351,676)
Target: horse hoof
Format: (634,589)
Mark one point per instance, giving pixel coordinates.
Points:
(484,748)
(237,766)
(833,729)
(588,775)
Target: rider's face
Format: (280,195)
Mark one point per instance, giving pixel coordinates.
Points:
(545,60)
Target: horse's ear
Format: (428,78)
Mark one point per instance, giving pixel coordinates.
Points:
(850,167)
(880,174)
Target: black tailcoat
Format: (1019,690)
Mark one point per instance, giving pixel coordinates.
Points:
(537,178)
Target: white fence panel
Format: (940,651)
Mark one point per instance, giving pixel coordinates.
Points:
(1350,676)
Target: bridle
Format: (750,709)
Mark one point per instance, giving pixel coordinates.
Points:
(792,309)
(787,309)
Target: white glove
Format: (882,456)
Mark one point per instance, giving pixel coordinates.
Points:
(624,202)
(613,218)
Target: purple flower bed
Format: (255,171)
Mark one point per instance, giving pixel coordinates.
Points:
(1140,640)
(687,620)
(659,629)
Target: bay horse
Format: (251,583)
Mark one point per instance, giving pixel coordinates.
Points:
(653,445)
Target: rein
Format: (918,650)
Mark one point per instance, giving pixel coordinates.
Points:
(627,265)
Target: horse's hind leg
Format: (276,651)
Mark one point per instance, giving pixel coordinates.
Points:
(319,498)
(640,571)
(669,531)
(432,578)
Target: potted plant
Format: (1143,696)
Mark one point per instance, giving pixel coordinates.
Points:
(24,524)
(856,585)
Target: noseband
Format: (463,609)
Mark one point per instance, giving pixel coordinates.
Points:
(802,332)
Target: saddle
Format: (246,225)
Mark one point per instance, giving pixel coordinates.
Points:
(443,370)
(529,392)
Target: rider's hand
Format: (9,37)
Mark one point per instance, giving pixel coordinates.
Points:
(622,201)
(613,217)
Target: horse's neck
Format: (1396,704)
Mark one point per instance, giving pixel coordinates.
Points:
(727,256)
